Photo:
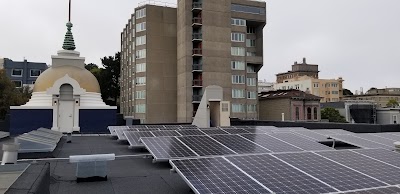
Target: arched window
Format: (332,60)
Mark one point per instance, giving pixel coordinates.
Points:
(315,113)
(297,113)
(309,113)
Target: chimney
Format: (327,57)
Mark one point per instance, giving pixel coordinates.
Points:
(304,61)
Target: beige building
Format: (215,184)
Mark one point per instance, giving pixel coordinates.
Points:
(298,70)
(148,65)
(169,56)
(219,43)
(380,99)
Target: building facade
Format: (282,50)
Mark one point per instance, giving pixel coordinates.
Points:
(299,70)
(387,116)
(23,73)
(219,43)
(199,44)
(289,105)
(355,111)
(381,99)
(148,65)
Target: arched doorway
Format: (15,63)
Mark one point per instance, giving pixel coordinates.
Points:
(66,109)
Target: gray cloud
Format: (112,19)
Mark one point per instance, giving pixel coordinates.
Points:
(357,39)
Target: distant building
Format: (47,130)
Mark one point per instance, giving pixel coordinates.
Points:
(383,91)
(298,70)
(1,63)
(296,106)
(388,115)
(23,73)
(264,86)
(381,99)
(355,111)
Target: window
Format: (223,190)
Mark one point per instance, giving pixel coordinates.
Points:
(237,37)
(334,85)
(237,93)
(17,84)
(251,81)
(316,85)
(315,113)
(238,79)
(251,30)
(16,72)
(237,108)
(141,81)
(335,92)
(140,13)
(141,67)
(395,119)
(248,9)
(141,94)
(250,43)
(237,65)
(251,108)
(141,27)
(225,107)
(141,54)
(35,72)
(297,113)
(140,108)
(251,54)
(308,113)
(251,69)
(238,22)
(251,95)
(238,51)
(141,40)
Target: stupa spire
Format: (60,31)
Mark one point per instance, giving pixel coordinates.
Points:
(69,43)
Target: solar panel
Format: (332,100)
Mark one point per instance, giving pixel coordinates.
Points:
(133,137)
(148,129)
(332,173)
(205,146)
(311,135)
(386,156)
(236,131)
(279,176)
(120,133)
(332,131)
(216,175)
(300,142)
(376,139)
(213,131)
(191,132)
(137,126)
(387,136)
(113,128)
(271,143)
(165,148)
(253,130)
(359,142)
(239,144)
(165,133)
(381,190)
(373,168)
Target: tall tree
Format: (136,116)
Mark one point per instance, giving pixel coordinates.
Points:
(332,115)
(109,79)
(91,66)
(347,92)
(392,103)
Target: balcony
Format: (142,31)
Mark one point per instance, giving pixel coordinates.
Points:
(197,98)
(197,6)
(197,83)
(197,36)
(197,67)
(197,52)
(197,22)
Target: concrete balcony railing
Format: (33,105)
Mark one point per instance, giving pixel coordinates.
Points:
(197,5)
(197,67)
(197,98)
(197,51)
(197,82)
(197,36)
(254,59)
(197,21)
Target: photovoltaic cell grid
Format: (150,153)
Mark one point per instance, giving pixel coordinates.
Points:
(332,132)
(300,142)
(382,190)
(309,134)
(378,170)
(387,136)
(271,143)
(133,137)
(236,131)
(165,133)
(332,173)
(239,145)
(205,146)
(359,142)
(376,139)
(279,176)
(216,175)
(213,131)
(191,132)
(165,148)
(120,133)
(383,155)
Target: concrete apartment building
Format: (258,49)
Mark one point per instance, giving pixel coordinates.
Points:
(305,77)
(216,43)
(22,73)
(148,65)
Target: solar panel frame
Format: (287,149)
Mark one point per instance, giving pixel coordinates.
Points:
(359,142)
(332,131)
(205,146)
(376,139)
(214,131)
(120,133)
(239,144)
(330,172)
(300,142)
(203,176)
(271,143)
(383,155)
(390,136)
(166,148)
(380,190)
(191,132)
(133,138)
(166,133)
(236,131)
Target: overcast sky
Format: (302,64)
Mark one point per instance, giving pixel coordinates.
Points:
(356,39)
